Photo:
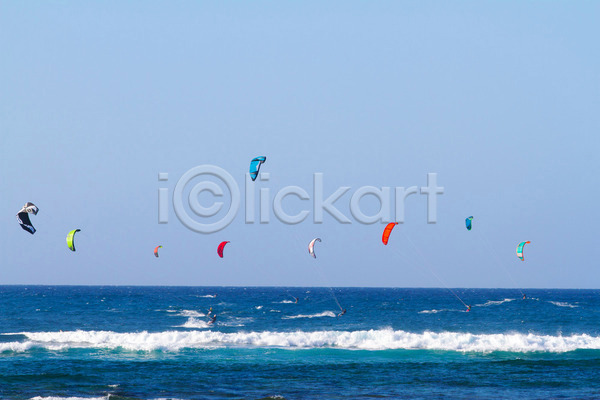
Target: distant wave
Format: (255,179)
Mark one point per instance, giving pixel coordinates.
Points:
(209,296)
(494,302)
(356,340)
(323,314)
(284,302)
(562,304)
(434,311)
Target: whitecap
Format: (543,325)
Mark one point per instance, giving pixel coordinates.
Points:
(562,304)
(195,323)
(382,339)
(494,302)
(323,314)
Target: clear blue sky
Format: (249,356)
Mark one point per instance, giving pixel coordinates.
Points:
(500,99)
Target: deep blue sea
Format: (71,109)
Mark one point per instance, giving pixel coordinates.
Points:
(76,342)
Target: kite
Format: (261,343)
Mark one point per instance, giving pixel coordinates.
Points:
(387,231)
(520,250)
(23,217)
(71,239)
(220,248)
(311,247)
(255,166)
(468,222)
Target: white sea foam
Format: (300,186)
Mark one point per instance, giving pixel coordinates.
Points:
(323,314)
(190,313)
(258,307)
(284,302)
(494,302)
(434,311)
(562,304)
(208,296)
(195,323)
(356,340)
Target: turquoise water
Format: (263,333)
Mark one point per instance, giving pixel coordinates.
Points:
(155,343)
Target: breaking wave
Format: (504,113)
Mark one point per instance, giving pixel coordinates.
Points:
(495,302)
(563,304)
(319,315)
(384,339)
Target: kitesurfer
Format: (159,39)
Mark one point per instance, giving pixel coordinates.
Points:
(209,312)
(295,298)
(524,297)
(342,313)
(468,308)
(213,319)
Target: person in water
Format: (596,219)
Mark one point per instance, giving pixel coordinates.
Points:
(342,313)
(524,297)
(296,300)
(209,312)
(213,319)
(468,308)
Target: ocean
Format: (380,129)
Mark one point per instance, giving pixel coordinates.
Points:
(101,342)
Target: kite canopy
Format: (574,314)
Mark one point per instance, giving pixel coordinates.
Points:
(23,217)
(468,222)
(255,166)
(156,250)
(311,247)
(520,250)
(387,231)
(220,248)
(71,239)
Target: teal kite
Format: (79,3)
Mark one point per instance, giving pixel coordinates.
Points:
(520,250)
(255,166)
(468,222)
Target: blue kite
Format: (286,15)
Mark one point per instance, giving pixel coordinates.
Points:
(255,166)
(468,222)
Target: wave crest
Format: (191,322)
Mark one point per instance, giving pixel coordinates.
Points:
(384,339)
(319,315)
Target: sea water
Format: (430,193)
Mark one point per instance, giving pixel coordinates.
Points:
(61,342)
